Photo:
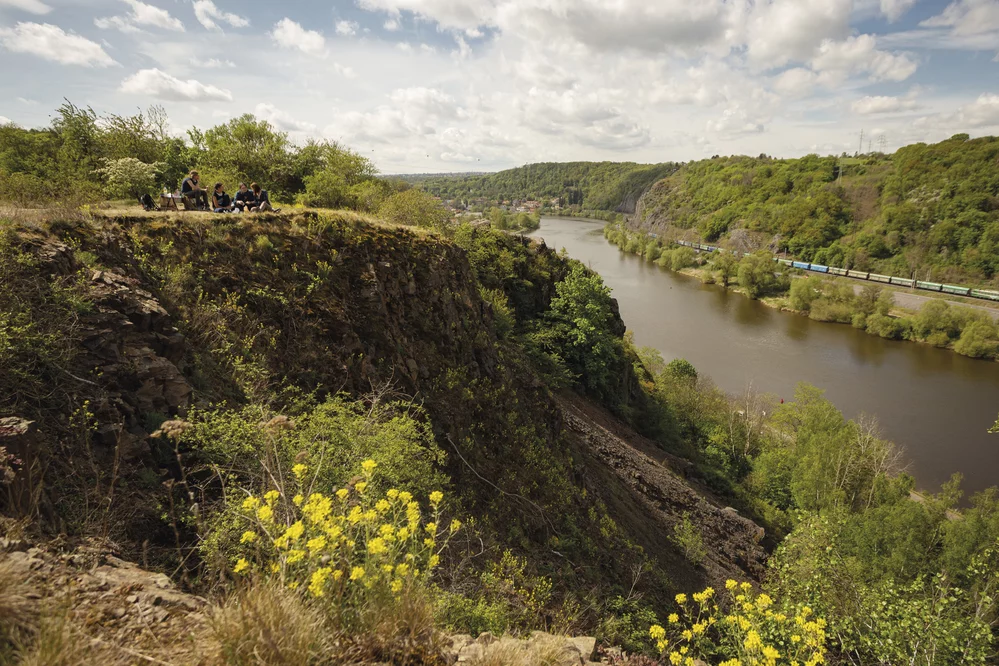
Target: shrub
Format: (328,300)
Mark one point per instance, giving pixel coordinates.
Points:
(804,292)
(859,320)
(350,551)
(751,633)
(681,368)
(756,274)
(653,250)
(827,310)
(327,189)
(504,319)
(885,326)
(267,623)
(415,207)
(978,340)
(129,177)
(688,537)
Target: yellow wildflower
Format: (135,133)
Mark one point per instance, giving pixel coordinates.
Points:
(455,525)
(316,544)
(295,556)
(431,528)
(433,561)
(392,494)
(402,570)
(272,496)
(357,573)
(297,500)
(675,658)
(730,584)
(681,598)
(687,634)
(299,470)
(396,586)
(405,497)
(673,618)
(241,565)
(656,632)
(369,466)
(318,581)
(250,503)
(383,506)
(249,536)
(377,546)
(360,486)
(403,533)
(342,494)
(436,497)
(265,513)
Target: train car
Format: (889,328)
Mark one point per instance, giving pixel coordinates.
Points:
(957,291)
(786,262)
(858,274)
(984,293)
(903,282)
(837,271)
(800,264)
(820,269)
(929,286)
(875,277)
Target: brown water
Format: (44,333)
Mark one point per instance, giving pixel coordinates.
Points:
(937,404)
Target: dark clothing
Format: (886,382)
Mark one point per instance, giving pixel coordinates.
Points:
(221,201)
(196,198)
(262,197)
(245,200)
(187,186)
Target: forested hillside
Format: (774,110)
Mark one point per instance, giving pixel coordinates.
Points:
(594,186)
(927,210)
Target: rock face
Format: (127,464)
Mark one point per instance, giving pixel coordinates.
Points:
(648,497)
(122,602)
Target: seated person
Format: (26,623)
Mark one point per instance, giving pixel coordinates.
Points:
(262,200)
(194,196)
(244,201)
(221,202)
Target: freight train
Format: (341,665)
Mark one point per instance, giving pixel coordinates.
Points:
(907,283)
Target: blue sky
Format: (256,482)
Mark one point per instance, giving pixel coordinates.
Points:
(463,85)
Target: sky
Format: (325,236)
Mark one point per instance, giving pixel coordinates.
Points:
(430,86)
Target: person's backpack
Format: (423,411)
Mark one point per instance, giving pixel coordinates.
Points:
(146,202)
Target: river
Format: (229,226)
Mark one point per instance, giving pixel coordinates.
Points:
(936,404)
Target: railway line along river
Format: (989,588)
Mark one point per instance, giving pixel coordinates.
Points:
(936,404)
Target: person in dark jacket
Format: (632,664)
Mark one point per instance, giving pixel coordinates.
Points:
(263,201)
(244,201)
(194,196)
(221,201)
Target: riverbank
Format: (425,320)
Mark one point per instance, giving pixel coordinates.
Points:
(969,331)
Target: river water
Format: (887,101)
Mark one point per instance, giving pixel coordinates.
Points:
(936,404)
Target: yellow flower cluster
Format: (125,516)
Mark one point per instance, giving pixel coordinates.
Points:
(345,546)
(750,634)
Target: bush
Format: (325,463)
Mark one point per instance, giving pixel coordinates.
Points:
(349,551)
(826,310)
(751,633)
(682,257)
(504,319)
(129,177)
(688,537)
(415,207)
(681,368)
(653,250)
(327,189)
(804,292)
(756,275)
(885,326)
(978,340)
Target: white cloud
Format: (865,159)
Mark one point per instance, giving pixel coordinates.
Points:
(282,120)
(871,105)
(391,25)
(53,43)
(896,9)
(460,14)
(783,31)
(344,71)
(967,18)
(142,14)
(4,120)
(346,28)
(734,122)
(31,6)
(213,63)
(208,15)
(983,112)
(795,82)
(155,83)
(858,54)
(291,35)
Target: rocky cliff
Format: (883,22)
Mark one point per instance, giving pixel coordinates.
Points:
(139,319)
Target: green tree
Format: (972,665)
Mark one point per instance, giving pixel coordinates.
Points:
(756,274)
(417,208)
(128,177)
(804,292)
(727,265)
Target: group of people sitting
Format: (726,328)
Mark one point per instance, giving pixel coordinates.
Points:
(250,199)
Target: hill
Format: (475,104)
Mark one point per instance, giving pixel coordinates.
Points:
(930,211)
(591,186)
